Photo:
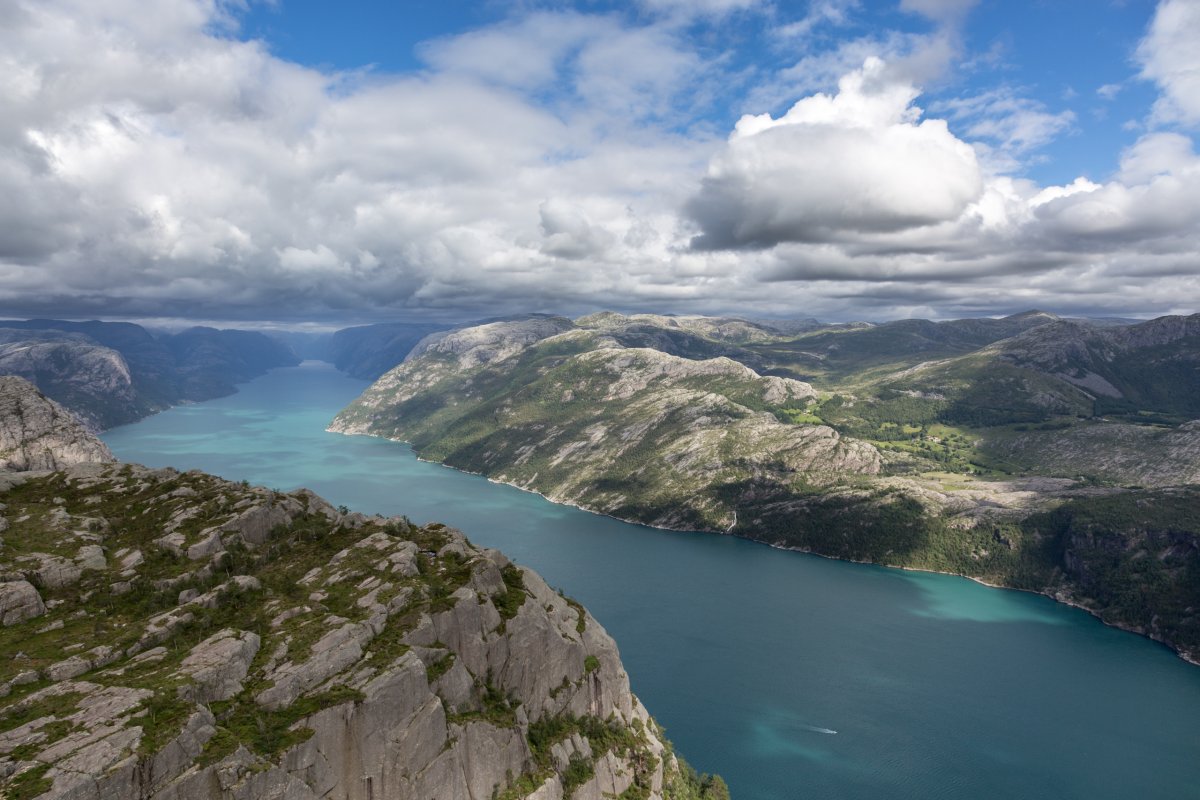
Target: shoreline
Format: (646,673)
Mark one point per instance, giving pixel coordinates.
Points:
(1193,659)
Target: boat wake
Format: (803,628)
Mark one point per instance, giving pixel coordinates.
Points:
(815,729)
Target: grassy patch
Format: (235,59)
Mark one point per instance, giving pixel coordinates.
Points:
(510,601)
(440,667)
(29,783)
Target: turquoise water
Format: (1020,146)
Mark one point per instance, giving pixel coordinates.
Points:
(751,657)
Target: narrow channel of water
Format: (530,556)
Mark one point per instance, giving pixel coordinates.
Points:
(792,676)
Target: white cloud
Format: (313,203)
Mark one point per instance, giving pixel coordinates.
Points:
(857,161)
(1154,196)
(939,10)
(1170,56)
(1005,125)
(692,8)
(820,12)
(152,167)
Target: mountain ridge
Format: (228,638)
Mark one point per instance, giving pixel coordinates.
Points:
(702,445)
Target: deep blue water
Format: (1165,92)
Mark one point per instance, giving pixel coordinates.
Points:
(937,687)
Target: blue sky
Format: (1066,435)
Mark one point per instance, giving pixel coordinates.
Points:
(308,162)
(1073,56)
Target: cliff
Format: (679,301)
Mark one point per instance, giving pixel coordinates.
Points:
(38,434)
(92,380)
(111,373)
(179,637)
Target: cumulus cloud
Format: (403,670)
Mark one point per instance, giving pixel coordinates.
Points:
(1170,57)
(150,166)
(1155,195)
(855,162)
(154,164)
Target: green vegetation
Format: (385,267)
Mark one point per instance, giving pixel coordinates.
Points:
(1133,557)
(28,783)
(510,601)
(265,732)
(440,667)
(498,708)
(687,784)
(161,718)
(578,772)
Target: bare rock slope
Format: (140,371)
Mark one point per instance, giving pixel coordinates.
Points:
(581,416)
(37,433)
(179,637)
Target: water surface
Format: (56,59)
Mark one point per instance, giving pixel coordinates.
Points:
(792,676)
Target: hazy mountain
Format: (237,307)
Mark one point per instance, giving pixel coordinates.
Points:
(368,351)
(110,373)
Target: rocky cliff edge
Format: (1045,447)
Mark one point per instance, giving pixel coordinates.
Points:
(37,433)
(177,637)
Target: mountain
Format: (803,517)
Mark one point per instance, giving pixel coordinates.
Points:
(852,354)
(1152,365)
(180,636)
(579,416)
(368,351)
(958,446)
(111,373)
(208,362)
(93,380)
(37,433)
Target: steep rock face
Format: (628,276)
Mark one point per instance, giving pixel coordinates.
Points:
(38,434)
(582,418)
(368,351)
(89,378)
(336,656)
(111,373)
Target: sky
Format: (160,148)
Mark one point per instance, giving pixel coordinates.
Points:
(302,162)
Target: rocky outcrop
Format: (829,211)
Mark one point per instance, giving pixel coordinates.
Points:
(87,377)
(493,341)
(19,601)
(111,373)
(37,433)
(333,656)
